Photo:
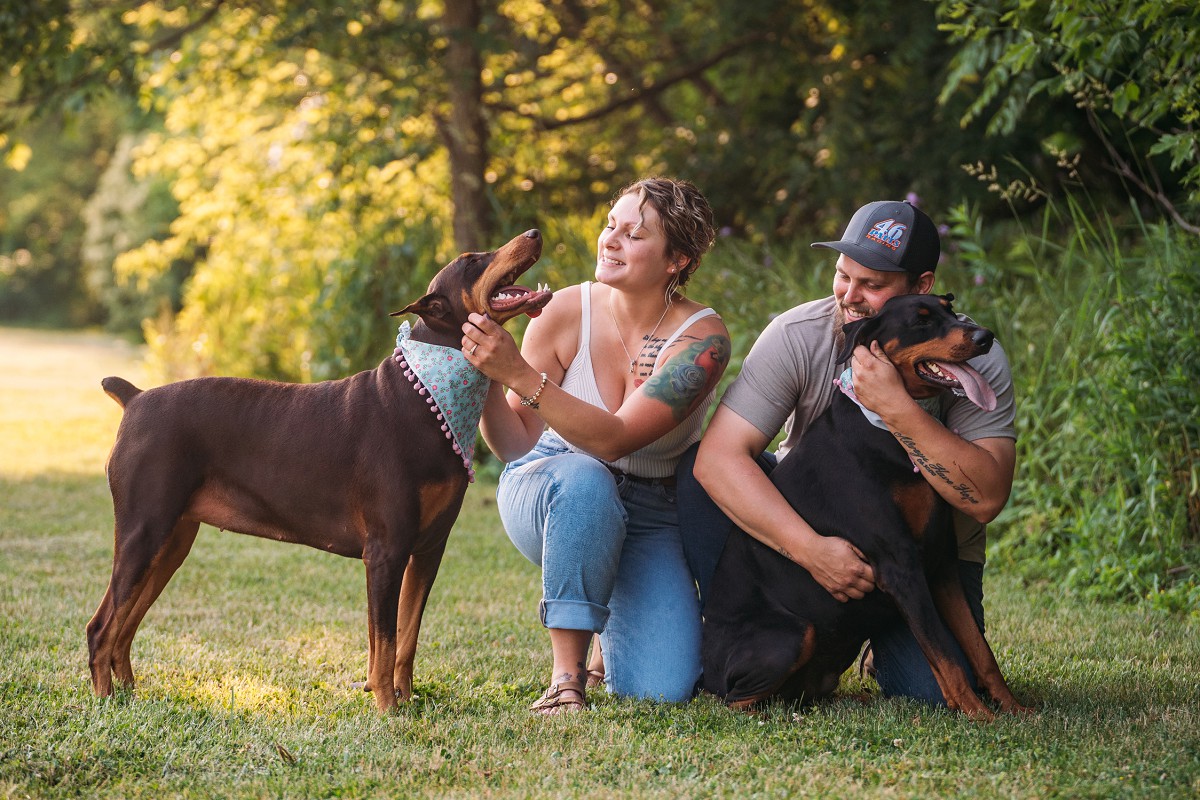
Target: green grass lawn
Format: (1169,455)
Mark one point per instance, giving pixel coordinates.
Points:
(245,665)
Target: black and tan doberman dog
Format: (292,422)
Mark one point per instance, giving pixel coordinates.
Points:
(357,467)
(771,631)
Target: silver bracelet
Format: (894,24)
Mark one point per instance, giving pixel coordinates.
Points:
(532,400)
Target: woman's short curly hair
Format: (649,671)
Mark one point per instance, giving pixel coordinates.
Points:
(685,216)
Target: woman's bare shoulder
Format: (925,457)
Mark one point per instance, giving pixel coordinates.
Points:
(556,329)
(710,325)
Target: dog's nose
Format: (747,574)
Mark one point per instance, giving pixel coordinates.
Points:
(983,338)
(533,233)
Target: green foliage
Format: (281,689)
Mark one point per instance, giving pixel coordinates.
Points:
(41,205)
(124,212)
(63,54)
(311,171)
(352,121)
(308,211)
(1132,67)
(1101,332)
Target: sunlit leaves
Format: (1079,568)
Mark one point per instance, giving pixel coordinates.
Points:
(312,146)
(293,175)
(1133,65)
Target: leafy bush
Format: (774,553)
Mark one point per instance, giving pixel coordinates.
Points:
(1103,340)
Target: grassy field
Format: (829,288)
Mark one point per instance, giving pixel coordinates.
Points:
(245,666)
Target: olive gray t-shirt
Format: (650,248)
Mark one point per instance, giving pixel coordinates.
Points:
(787,379)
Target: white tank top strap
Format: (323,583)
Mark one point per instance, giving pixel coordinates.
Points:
(687,323)
(585,325)
(580,378)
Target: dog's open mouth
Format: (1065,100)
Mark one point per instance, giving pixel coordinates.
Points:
(506,298)
(514,299)
(961,378)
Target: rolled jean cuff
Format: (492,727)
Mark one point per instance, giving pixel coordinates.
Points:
(574,615)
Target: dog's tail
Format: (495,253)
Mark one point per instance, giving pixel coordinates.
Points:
(120,390)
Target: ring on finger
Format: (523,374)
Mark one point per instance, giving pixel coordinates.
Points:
(473,349)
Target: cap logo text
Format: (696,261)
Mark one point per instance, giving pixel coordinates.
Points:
(888,233)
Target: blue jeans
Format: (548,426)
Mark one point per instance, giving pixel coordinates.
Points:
(612,562)
(901,669)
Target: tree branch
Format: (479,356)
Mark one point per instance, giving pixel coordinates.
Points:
(172,39)
(1123,168)
(118,54)
(645,92)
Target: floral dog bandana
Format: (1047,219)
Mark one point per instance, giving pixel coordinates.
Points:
(456,390)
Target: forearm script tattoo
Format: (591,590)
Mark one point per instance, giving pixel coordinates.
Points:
(935,469)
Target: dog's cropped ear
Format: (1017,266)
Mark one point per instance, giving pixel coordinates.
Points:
(858,332)
(432,305)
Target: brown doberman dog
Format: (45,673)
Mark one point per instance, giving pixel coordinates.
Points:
(770,630)
(358,466)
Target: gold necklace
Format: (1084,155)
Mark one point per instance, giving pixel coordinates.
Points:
(621,337)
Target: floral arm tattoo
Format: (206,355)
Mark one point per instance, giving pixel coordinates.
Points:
(690,374)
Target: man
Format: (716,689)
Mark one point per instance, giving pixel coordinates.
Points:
(787,380)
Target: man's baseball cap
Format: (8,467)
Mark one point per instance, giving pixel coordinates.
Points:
(890,236)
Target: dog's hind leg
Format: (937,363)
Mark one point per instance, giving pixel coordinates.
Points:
(99,654)
(136,548)
(179,544)
(414,593)
(952,604)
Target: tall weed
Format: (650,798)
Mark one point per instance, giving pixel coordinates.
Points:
(1102,332)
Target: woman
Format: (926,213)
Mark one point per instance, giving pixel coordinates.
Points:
(610,386)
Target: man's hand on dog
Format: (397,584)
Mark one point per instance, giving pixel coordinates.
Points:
(877,382)
(839,567)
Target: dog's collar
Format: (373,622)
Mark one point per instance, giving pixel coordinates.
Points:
(932,405)
(456,390)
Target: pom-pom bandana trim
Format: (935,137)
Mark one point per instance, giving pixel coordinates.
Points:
(453,388)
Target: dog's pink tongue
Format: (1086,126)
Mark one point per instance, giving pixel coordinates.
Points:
(976,388)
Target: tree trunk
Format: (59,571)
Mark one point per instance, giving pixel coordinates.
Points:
(463,130)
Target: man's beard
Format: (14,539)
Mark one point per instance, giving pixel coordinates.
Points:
(840,313)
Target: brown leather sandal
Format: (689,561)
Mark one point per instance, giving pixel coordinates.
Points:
(561,698)
(866,663)
(595,678)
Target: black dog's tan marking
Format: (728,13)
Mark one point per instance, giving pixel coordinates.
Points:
(358,467)
(771,631)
